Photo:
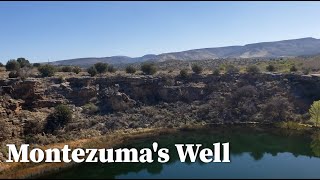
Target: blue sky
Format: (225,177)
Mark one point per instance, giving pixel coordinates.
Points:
(42,31)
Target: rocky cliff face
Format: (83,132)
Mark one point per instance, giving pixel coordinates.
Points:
(121,93)
(229,97)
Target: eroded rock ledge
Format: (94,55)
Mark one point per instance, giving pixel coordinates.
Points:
(144,101)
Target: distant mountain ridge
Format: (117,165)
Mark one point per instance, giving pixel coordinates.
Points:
(285,48)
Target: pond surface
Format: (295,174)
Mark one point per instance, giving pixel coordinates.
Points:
(253,154)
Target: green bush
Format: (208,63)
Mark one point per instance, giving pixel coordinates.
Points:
(306,71)
(13,74)
(90,108)
(23,62)
(293,69)
(216,71)
(12,65)
(130,70)
(271,68)
(148,68)
(111,69)
(184,73)
(59,118)
(61,79)
(66,69)
(197,69)
(92,71)
(231,69)
(253,69)
(47,70)
(36,64)
(101,67)
(76,69)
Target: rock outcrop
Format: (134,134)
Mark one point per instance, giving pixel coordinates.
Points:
(145,101)
(113,100)
(121,93)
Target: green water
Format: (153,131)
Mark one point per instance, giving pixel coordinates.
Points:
(253,154)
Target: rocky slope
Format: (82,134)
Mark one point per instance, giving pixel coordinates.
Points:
(146,101)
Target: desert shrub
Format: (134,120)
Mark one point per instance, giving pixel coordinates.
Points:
(231,69)
(130,70)
(306,71)
(47,70)
(167,80)
(253,69)
(277,109)
(271,68)
(90,108)
(58,68)
(148,68)
(76,69)
(197,69)
(61,79)
(42,139)
(184,73)
(314,112)
(291,125)
(92,71)
(36,64)
(23,62)
(244,102)
(13,74)
(12,65)
(66,69)
(293,69)
(101,67)
(4,130)
(59,118)
(33,127)
(111,69)
(216,71)
(25,72)
(221,67)
(22,73)
(245,92)
(1,65)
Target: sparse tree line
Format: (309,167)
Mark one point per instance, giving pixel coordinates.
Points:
(101,68)
(22,68)
(232,69)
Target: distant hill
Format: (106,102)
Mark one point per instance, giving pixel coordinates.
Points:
(286,48)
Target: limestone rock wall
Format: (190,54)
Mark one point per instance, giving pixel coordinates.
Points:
(40,93)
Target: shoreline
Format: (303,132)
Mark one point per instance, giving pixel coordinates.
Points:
(117,138)
(28,170)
